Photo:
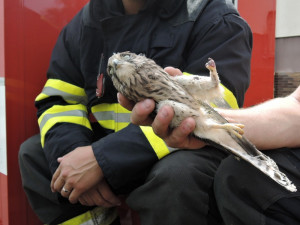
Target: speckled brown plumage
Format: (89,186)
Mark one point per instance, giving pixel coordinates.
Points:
(138,77)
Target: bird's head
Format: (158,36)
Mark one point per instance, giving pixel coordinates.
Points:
(122,67)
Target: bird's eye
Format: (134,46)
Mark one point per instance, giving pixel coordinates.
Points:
(127,57)
(110,70)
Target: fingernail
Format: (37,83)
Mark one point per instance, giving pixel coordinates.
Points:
(164,112)
(147,103)
(187,126)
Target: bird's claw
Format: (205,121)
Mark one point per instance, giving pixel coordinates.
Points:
(235,128)
(210,65)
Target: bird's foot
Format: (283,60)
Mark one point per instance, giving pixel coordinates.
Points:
(211,66)
(233,128)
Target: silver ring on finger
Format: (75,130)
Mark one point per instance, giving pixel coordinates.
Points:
(65,190)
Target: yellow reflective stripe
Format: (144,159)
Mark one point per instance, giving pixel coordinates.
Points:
(115,117)
(41,96)
(101,216)
(111,116)
(156,142)
(79,219)
(71,93)
(112,125)
(66,87)
(76,114)
(116,107)
(228,96)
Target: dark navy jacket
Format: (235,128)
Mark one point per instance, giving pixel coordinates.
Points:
(178,33)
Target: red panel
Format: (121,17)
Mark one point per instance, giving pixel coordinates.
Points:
(31,29)
(3,200)
(261,17)
(3,178)
(1,38)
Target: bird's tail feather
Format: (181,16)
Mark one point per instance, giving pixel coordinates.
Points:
(261,161)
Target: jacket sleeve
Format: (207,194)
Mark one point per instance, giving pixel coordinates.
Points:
(125,158)
(228,39)
(62,112)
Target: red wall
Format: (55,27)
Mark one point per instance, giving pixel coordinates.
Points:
(3,178)
(260,14)
(1,38)
(31,28)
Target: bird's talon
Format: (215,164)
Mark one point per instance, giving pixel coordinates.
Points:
(210,65)
(236,129)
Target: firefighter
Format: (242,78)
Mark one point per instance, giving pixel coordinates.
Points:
(87,164)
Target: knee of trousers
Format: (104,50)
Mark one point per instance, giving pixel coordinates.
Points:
(183,173)
(240,191)
(176,184)
(186,169)
(32,162)
(236,176)
(231,176)
(29,148)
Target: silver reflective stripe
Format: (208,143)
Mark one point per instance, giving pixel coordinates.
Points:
(66,96)
(172,149)
(221,103)
(111,115)
(76,113)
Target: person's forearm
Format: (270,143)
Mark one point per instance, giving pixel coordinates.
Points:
(272,124)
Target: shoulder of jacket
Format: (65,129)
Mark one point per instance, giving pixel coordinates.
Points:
(87,18)
(189,12)
(193,9)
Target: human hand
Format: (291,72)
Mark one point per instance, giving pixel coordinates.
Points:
(178,137)
(101,195)
(78,172)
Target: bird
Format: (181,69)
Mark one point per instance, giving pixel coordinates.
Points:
(138,77)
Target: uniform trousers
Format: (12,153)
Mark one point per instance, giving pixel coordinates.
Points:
(188,187)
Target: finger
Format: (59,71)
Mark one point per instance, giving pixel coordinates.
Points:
(173,71)
(108,195)
(181,138)
(54,178)
(179,135)
(87,199)
(83,201)
(100,201)
(187,126)
(93,197)
(74,196)
(162,121)
(66,191)
(125,102)
(58,184)
(141,111)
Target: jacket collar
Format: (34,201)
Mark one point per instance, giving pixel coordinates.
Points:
(102,9)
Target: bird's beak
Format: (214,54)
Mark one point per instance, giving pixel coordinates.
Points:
(116,63)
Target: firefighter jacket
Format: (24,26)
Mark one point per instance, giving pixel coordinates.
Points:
(178,33)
